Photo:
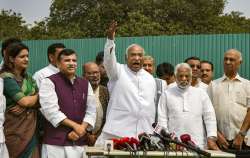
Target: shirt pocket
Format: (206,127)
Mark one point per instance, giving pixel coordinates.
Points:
(241,98)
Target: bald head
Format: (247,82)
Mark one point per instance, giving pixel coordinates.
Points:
(92,73)
(148,64)
(134,57)
(232,62)
(133,47)
(235,52)
(88,65)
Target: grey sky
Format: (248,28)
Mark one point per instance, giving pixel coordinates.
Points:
(238,5)
(36,10)
(31,10)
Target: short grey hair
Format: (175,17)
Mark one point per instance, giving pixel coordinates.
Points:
(182,65)
(235,51)
(131,46)
(148,57)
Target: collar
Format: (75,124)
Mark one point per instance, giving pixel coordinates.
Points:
(182,90)
(237,78)
(52,67)
(71,81)
(96,91)
(135,73)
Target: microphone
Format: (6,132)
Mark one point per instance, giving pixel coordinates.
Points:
(186,138)
(159,142)
(167,138)
(144,141)
(126,143)
(156,143)
(134,143)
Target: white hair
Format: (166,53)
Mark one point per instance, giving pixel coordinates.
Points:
(182,65)
(148,57)
(131,46)
(235,51)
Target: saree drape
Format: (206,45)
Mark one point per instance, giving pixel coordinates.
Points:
(20,128)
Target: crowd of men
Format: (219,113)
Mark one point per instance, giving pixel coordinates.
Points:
(113,100)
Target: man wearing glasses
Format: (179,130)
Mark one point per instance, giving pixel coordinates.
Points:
(195,64)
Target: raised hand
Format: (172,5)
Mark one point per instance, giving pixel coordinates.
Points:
(111,30)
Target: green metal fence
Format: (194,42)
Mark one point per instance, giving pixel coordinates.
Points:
(172,49)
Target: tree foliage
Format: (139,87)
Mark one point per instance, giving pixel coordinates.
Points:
(90,18)
(12,25)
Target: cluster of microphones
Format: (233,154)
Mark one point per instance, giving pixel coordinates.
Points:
(160,140)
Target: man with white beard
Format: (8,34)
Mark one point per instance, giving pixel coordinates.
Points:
(184,109)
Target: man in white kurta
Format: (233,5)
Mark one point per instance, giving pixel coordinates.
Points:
(131,109)
(51,69)
(161,85)
(3,149)
(230,95)
(51,110)
(207,70)
(184,109)
(195,64)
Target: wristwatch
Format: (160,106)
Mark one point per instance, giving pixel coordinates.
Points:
(243,133)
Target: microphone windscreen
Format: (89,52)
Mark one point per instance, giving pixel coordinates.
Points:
(142,134)
(154,124)
(165,134)
(186,138)
(157,128)
(133,141)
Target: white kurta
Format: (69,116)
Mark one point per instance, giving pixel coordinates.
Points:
(1,65)
(171,85)
(44,72)
(51,110)
(164,85)
(131,108)
(201,85)
(3,149)
(231,99)
(184,111)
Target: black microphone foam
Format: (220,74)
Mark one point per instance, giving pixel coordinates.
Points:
(144,141)
(166,136)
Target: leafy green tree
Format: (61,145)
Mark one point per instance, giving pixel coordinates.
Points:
(233,23)
(12,25)
(89,18)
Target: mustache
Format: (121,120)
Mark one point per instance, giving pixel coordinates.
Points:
(183,82)
(71,66)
